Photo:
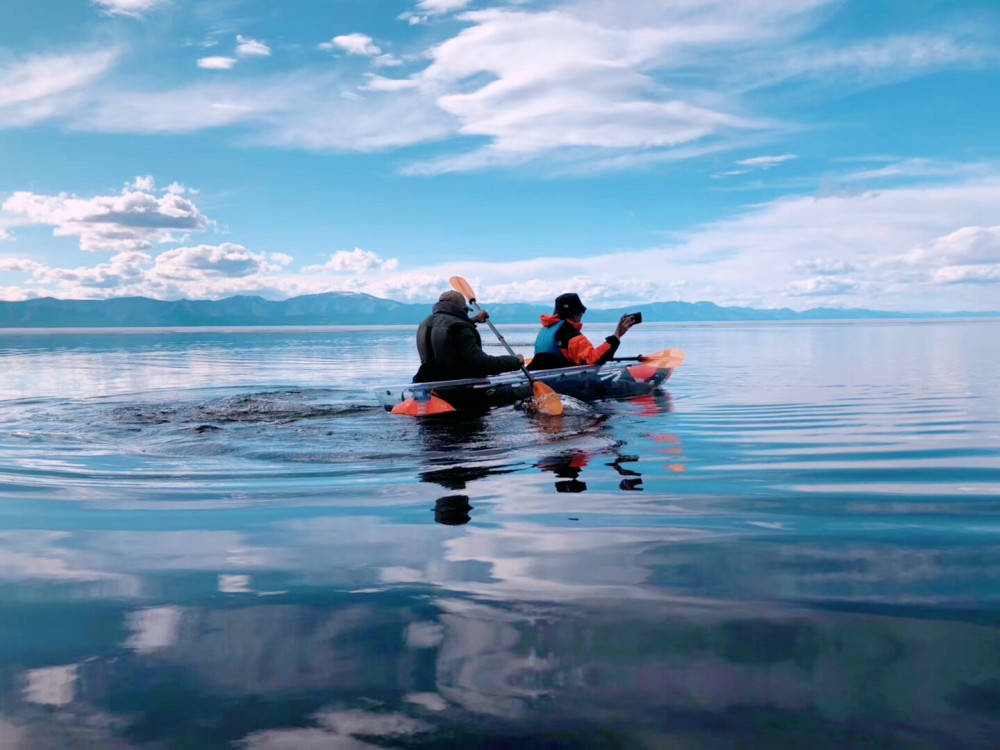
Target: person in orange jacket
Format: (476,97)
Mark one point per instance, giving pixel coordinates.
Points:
(560,343)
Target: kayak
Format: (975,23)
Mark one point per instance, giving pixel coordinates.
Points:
(586,383)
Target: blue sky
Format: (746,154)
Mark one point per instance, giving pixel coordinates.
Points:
(793,153)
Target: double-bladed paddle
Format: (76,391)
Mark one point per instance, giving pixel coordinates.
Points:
(666,359)
(544,400)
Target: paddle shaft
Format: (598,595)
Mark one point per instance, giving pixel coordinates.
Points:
(502,339)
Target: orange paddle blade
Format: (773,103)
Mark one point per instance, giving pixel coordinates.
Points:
(546,401)
(461,286)
(665,360)
(642,372)
(412,407)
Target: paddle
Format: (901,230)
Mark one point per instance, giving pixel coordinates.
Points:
(666,359)
(544,400)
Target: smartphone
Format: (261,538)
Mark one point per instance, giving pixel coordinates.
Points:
(636,317)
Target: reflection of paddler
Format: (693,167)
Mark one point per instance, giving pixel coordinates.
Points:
(452,510)
(633,479)
(568,467)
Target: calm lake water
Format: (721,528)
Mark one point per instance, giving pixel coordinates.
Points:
(216,538)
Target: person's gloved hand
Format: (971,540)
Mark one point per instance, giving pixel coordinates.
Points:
(480,317)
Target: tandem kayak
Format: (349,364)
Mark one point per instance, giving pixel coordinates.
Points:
(586,383)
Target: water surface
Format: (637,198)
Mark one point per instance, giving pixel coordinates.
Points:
(216,538)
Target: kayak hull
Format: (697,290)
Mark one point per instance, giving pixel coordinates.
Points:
(586,383)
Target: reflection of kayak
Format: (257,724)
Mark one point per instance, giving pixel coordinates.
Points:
(586,383)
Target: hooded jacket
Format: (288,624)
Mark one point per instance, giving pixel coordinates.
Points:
(560,343)
(450,348)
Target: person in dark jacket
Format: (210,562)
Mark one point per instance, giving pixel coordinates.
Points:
(561,343)
(450,347)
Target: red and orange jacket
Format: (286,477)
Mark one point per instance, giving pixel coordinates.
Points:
(560,343)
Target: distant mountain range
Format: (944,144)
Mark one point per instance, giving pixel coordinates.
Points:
(344,308)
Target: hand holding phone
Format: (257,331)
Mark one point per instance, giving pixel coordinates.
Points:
(627,321)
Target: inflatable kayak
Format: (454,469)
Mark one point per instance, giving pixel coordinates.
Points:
(586,383)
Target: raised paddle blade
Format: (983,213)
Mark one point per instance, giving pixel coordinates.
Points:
(665,360)
(413,407)
(546,401)
(462,286)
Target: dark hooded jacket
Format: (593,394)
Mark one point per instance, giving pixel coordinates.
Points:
(450,348)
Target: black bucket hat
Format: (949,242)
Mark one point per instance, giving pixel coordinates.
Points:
(568,304)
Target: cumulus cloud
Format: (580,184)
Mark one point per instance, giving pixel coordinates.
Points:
(133,220)
(353,44)
(122,272)
(21,265)
(211,261)
(133,8)
(247,47)
(196,272)
(356,261)
(903,248)
(965,246)
(216,63)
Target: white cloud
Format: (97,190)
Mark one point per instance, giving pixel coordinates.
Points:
(20,265)
(202,262)
(823,266)
(592,82)
(558,80)
(381,83)
(914,168)
(965,246)
(216,63)
(387,61)
(133,8)
(879,60)
(765,162)
(247,47)
(195,272)
(39,87)
(114,277)
(441,6)
(353,44)
(986,274)
(16,294)
(133,220)
(356,261)
(822,285)
(899,249)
